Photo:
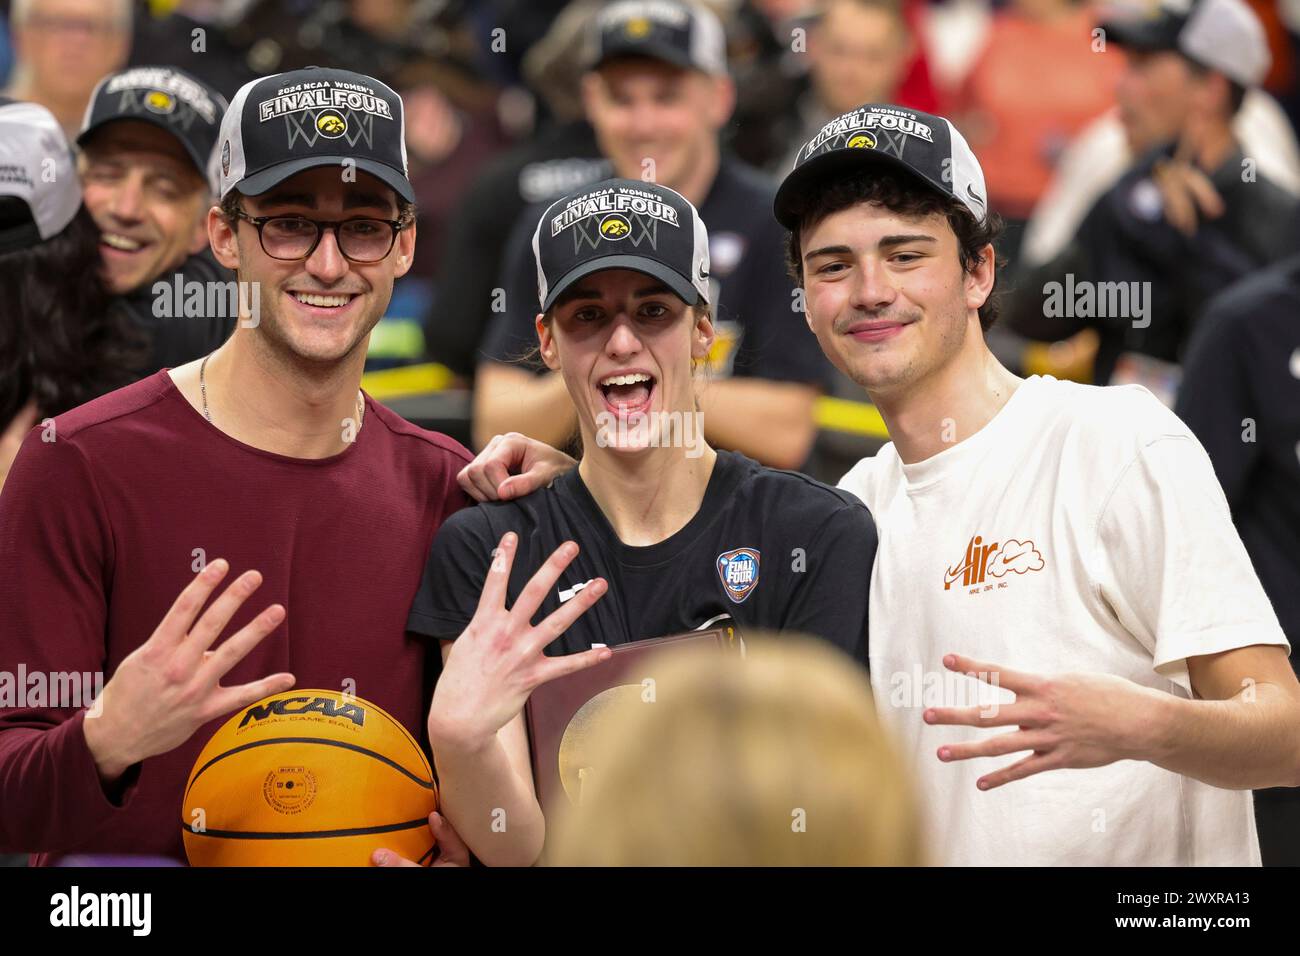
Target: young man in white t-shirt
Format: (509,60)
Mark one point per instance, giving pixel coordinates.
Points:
(1068,545)
(1032,527)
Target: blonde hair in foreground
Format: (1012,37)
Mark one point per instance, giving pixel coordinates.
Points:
(774,760)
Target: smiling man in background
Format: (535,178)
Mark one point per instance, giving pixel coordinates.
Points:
(147,143)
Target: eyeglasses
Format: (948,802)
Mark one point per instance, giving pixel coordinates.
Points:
(296,237)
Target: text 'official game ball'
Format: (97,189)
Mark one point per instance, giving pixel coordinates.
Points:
(308,778)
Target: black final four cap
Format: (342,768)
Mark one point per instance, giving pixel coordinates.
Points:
(281,125)
(181,104)
(684,34)
(622,224)
(886,137)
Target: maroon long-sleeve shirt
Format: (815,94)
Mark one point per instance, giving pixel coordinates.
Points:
(103,526)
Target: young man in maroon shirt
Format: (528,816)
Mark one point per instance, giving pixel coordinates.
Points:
(262,461)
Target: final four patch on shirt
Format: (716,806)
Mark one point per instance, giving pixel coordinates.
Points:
(738,570)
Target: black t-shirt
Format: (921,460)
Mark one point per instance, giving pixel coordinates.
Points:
(177,339)
(1241,397)
(758,331)
(768,549)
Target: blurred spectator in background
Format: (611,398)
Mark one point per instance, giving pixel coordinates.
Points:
(1288,37)
(62,48)
(60,343)
(1189,218)
(767,55)
(560,157)
(451,133)
(799,64)
(147,145)
(1241,396)
(194,35)
(952,32)
(1038,80)
(1105,148)
(657,95)
(1281,78)
(776,759)
(380,36)
(524,23)
(858,52)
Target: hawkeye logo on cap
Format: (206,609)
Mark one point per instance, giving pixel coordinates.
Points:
(331,124)
(862,141)
(160,102)
(613,213)
(738,570)
(639,16)
(163,91)
(326,109)
(865,122)
(615,226)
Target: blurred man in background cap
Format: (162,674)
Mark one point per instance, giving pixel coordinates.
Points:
(1189,218)
(560,155)
(147,141)
(657,95)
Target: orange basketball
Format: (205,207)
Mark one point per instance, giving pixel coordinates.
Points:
(308,778)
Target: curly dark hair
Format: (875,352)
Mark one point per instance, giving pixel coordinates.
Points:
(62,342)
(906,197)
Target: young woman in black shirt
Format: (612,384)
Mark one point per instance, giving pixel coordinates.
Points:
(653,533)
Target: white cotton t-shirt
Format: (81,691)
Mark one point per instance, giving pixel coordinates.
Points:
(1082,529)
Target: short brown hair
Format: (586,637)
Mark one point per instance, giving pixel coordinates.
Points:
(906,197)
